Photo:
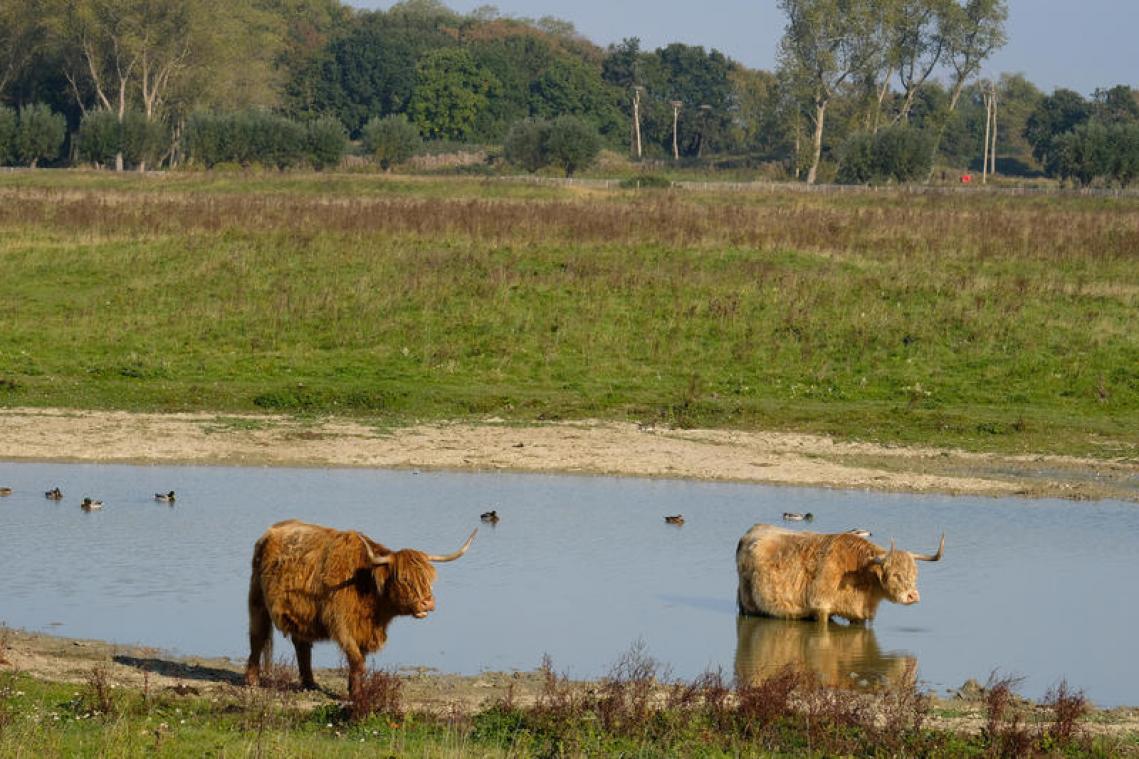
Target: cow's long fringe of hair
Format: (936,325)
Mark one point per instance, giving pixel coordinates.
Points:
(412,575)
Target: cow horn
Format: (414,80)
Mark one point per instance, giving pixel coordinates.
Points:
(375,560)
(882,559)
(934,557)
(456,554)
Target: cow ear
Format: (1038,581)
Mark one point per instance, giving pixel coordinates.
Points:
(376,561)
(881,558)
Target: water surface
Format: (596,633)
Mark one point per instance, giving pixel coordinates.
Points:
(580,568)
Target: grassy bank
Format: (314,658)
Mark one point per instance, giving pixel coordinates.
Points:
(630,712)
(1005,324)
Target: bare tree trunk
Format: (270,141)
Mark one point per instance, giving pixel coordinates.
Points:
(817,144)
(993,149)
(637,122)
(985,151)
(675,121)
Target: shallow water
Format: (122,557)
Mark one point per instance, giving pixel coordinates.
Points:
(581,568)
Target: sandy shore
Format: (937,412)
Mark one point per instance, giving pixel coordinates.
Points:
(599,448)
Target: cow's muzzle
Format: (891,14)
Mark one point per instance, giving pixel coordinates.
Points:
(911,597)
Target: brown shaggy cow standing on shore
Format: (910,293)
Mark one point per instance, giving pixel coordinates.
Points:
(803,575)
(316,583)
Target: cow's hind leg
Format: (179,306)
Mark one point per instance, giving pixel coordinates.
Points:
(260,634)
(304,663)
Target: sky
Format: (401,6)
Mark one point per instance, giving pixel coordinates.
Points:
(1055,43)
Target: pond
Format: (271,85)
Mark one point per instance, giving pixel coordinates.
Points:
(582,569)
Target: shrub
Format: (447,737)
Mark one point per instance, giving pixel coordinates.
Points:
(325,141)
(525,144)
(391,139)
(40,134)
(245,137)
(899,154)
(143,139)
(139,140)
(9,126)
(572,144)
(377,692)
(99,137)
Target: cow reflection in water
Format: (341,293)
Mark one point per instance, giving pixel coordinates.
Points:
(841,655)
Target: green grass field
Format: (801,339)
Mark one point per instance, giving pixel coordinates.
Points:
(989,322)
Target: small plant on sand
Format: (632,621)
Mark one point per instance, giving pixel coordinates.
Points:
(99,698)
(377,692)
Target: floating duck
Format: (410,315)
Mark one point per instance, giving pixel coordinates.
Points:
(677,519)
(89,505)
(791,516)
(5,491)
(165,497)
(490,516)
(54,494)
(859,532)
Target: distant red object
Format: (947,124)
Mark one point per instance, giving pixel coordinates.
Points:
(966,178)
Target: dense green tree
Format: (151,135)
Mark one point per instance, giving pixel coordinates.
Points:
(9,127)
(40,134)
(1053,116)
(516,59)
(391,139)
(23,32)
(367,70)
(1116,105)
(758,122)
(572,144)
(451,90)
(574,88)
(700,80)
(525,144)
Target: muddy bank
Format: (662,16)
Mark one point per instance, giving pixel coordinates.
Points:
(601,448)
(72,660)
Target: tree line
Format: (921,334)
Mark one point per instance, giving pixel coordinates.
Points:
(863,91)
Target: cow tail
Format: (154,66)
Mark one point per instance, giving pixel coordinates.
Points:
(260,623)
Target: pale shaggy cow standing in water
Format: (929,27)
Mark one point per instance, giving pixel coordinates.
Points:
(316,583)
(805,575)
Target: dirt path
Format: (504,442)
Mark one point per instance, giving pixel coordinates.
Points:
(603,448)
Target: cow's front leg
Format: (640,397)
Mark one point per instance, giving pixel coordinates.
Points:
(304,663)
(355,666)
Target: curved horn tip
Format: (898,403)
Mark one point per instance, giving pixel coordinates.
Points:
(456,554)
(935,557)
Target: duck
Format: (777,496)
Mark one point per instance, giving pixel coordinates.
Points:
(676,519)
(490,516)
(165,497)
(859,532)
(5,491)
(790,516)
(55,494)
(89,505)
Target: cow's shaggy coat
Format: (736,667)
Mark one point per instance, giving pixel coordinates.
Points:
(805,575)
(316,583)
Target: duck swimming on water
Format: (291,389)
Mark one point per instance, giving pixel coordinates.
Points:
(165,497)
(89,505)
(490,516)
(677,519)
(55,494)
(791,516)
(859,532)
